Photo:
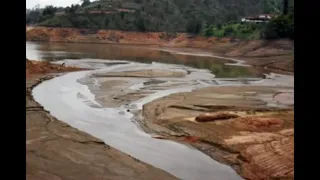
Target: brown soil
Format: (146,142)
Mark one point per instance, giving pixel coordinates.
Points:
(41,67)
(54,150)
(257,141)
(230,126)
(276,55)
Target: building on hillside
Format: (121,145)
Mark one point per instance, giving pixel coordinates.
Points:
(263,18)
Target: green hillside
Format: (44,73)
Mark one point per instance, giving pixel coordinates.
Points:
(151,15)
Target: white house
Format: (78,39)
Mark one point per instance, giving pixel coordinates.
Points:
(257,19)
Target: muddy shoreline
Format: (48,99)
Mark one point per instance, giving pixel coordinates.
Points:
(276,55)
(257,143)
(57,150)
(259,131)
(114,127)
(256,140)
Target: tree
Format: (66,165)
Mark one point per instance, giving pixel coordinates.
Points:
(206,2)
(140,24)
(228,30)
(79,21)
(106,22)
(271,6)
(208,32)
(33,17)
(49,11)
(72,9)
(194,26)
(167,7)
(122,15)
(85,3)
(231,17)
(280,27)
(285,6)
(219,26)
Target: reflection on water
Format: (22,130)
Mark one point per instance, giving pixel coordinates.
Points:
(143,54)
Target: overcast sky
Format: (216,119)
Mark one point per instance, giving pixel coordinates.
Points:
(42,3)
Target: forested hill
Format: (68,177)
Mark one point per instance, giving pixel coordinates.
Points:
(150,15)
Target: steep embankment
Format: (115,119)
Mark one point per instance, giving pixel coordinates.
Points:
(277,54)
(121,37)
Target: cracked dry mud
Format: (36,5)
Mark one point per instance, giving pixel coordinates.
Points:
(54,150)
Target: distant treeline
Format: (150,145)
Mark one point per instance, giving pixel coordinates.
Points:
(154,15)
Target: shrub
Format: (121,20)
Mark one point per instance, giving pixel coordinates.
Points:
(228,30)
(208,32)
(280,27)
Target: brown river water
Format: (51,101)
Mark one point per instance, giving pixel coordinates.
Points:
(142,54)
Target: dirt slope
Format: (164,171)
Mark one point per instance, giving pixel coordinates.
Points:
(227,46)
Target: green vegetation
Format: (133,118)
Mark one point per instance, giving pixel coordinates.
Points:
(280,27)
(236,30)
(220,18)
(152,15)
(194,26)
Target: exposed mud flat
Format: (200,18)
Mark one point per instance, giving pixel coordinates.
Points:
(142,96)
(55,150)
(79,108)
(246,127)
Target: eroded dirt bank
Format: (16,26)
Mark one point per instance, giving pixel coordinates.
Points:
(276,55)
(232,125)
(42,67)
(55,150)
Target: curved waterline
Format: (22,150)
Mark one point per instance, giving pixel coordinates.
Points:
(60,96)
(69,99)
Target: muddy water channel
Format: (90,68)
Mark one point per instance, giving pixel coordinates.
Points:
(144,54)
(103,101)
